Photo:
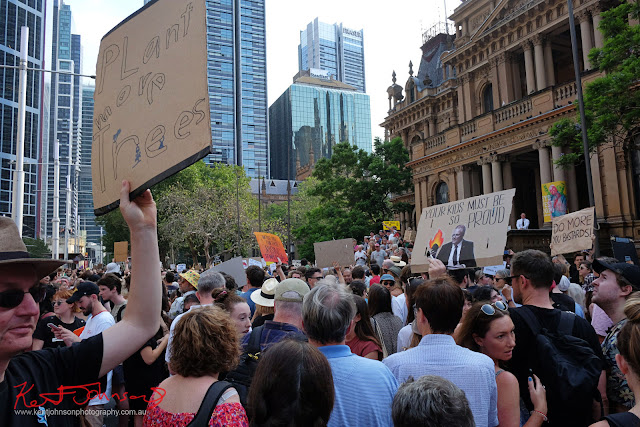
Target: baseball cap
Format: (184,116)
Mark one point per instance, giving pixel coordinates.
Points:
(291,285)
(387,277)
(84,288)
(377,244)
(631,272)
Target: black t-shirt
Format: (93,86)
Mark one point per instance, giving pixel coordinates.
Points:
(141,377)
(44,333)
(525,351)
(32,374)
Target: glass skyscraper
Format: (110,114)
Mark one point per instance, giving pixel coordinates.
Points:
(13,15)
(64,120)
(334,49)
(85,198)
(310,117)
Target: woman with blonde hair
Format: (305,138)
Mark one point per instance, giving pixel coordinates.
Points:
(205,343)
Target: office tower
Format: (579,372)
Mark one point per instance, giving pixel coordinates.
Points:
(14,15)
(87,219)
(65,120)
(237,75)
(309,118)
(333,50)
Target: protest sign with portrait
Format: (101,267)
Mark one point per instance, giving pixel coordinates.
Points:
(554,200)
(466,233)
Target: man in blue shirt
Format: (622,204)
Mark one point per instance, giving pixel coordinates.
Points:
(438,309)
(364,388)
(255,278)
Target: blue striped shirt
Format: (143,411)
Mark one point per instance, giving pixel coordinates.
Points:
(473,372)
(364,389)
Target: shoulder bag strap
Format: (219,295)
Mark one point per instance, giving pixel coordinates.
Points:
(530,319)
(566,323)
(201,419)
(253,346)
(385,353)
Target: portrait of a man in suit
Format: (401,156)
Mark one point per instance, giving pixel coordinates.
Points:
(457,251)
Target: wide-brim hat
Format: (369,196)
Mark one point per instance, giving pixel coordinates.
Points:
(265,296)
(192,277)
(14,252)
(397,261)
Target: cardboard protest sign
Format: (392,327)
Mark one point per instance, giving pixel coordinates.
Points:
(470,232)
(554,200)
(340,251)
(572,232)
(386,225)
(151,108)
(235,268)
(181,267)
(271,248)
(120,251)
(491,270)
(409,235)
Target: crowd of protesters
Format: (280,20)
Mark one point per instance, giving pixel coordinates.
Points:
(541,341)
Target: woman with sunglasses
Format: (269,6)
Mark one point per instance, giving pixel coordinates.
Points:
(488,329)
(65,316)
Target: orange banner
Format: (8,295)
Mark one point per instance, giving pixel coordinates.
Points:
(271,248)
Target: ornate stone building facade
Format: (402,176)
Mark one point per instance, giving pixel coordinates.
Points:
(476,119)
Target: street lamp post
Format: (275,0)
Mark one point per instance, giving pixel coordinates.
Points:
(55,227)
(18,179)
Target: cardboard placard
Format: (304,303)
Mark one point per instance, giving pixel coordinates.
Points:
(271,247)
(340,251)
(572,232)
(491,270)
(478,224)
(152,114)
(120,251)
(554,200)
(386,225)
(234,267)
(410,235)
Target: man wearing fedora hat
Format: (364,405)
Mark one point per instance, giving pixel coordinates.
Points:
(26,376)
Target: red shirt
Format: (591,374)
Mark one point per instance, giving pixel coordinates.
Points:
(362,348)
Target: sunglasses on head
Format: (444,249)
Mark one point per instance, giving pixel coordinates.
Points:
(13,297)
(490,309)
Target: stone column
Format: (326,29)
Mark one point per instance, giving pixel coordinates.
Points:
(487,180)
(468,97)
(505,76)
(463,181)
(515,75)
(541,72)
(543,158)
(507,174)
(417,196)
(558,172)
(585,34)
(572,189)
(423,194)
(461,101)
(432,126)
(623,187)
(548,62)
(597,182)
(598,39)
(496,173)
(475,183)
(528,66)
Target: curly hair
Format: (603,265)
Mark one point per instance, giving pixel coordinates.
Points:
(205,342)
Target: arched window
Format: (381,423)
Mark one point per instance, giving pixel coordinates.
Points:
(487,98)
(442,193)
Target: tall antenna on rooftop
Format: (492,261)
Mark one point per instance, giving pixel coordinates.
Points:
(446,18)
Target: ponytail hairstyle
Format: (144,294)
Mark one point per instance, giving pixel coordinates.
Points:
(226,299)
(629,336)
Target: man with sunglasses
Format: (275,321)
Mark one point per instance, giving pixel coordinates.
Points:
(531,277)
(26,377)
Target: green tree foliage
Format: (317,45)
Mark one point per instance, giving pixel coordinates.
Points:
(37,248)
(353,190)
(115,230)
(612,102)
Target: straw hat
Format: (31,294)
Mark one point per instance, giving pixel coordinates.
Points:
(397,261)
(14,252)
(265,297)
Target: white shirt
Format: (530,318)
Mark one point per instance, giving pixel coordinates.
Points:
(522,224)
(399,307)
(360,258)
(94,326)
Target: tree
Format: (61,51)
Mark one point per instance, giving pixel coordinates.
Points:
(37,248)
(354,189)
(612,102)
(115,229)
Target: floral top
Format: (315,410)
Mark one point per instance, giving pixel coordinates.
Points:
(226,414)
(618,390)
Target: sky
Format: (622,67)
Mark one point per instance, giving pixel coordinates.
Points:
(392,33)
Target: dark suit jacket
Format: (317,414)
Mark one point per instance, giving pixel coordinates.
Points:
(466,253)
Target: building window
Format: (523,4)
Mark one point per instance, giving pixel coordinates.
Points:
(442,193)
(487,98)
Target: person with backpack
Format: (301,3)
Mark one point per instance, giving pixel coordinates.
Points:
(562,349)
(615,284)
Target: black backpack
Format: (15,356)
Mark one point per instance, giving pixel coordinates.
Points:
(566,365)
(242,375)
